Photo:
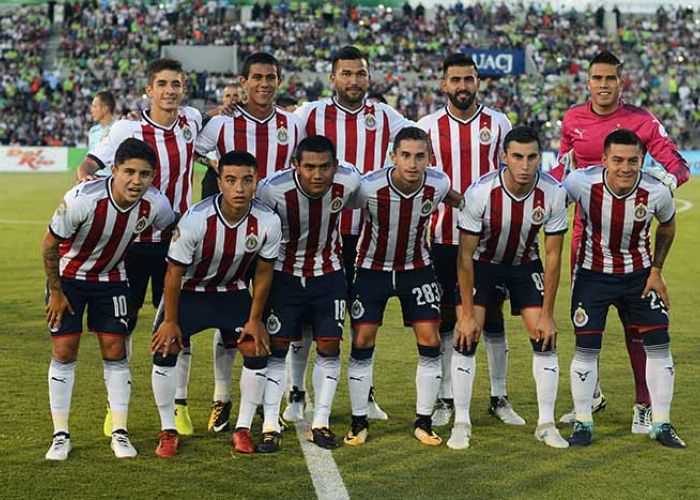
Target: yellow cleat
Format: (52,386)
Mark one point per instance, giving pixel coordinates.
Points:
(183,423)
(357,435)
(424,432)
(107,426)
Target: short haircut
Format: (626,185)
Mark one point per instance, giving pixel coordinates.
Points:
(522,135)
(315,144)
(411,134)
(107,98)
(286,100)
(606,57)
(137,149)
(234,84)
(348,53)
(623,136)
(158,65)
(459,59)
(261,58)
(237,158)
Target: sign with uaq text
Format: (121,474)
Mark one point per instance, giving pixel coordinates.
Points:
(498,62)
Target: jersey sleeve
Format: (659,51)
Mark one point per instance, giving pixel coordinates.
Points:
(666,207)
(359,186)
(104,152)
(396,121)
(470,218)
(207,139)
(565,151)
(443,187)
(186,237)
(271,247)
(71,213)
(663,150)
(557,222)
(265,193)
(302,115)
(196,116)
(505,127)
(572,185)
(164,212)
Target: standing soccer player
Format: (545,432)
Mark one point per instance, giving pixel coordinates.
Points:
(309,279)
(503,214)
(102,111)
(467,140)
(83,255)
(584,129)
(614,266)
(206,286)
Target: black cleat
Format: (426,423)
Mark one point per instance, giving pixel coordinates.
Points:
(666,435)
(582,434)
(219,417)
(323,437)
(269,442)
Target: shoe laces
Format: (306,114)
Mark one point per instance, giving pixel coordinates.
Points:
(325,432)
(167,437)
(218,409)
(269,437)
(121,437)
(668,428)
(503,402)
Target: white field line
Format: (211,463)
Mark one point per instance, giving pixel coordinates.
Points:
(19,222)
(683,205)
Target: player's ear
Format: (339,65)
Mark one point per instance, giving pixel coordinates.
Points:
(114,169)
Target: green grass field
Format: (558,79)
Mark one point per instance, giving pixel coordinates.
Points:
(503,462)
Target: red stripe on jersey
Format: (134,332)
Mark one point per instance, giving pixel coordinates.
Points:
(91,240)
(261,144)
(315,219)
(617,227)
(240,134)
(596,211)
(370,141)
(530,241)
(338,192)
(173,163)
(418,261)
(221,142)
(351,139)
(283,149)
(230,237)
(638,228)
(292,202)
(330,116)
(446,154)
(484,160)
(365,241)
(497,149)
(149,136)
(385,142)
(404,227)
(208,248)
(495,231)
(249,256)
(111,247)
(516,227)
(311,123)
(384,213)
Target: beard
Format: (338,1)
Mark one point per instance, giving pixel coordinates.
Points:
(345,96)
(462,105)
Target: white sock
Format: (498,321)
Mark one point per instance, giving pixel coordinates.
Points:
(274,390)
(463,372)
(298,359)
(325,378)
(583,375)
(252,389)
(61,379)
(428,377)
(359,383)
(446,350)
(545,370)
(496,347)
(128,346)
(660,375)
(182,372)
(118,383)
(223,368)
(163,380)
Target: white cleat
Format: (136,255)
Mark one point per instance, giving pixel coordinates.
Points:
(502,409)
(443,413)
(641,419)
(460,437)
(374,412)
(599,404)
(294,412)
(549,435)
(60,447)
(121,446)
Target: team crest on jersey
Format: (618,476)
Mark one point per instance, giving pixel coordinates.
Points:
(336,204)
(187,133)
(370,122)
(282,135)
(357,310)
(580,316)
(485,136)
(640,212)
(538,215)
(141,225)
(273,324)
(426,208)
(251,242)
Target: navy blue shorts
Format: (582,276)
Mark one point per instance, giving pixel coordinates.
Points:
(444,259)
(349,257)
(523,284)
(197,311)
(294,301)
(146,261)
(416,289)
(107,307)
(594,293)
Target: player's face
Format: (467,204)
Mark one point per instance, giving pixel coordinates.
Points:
(130,181)
(604,85)
(231,95)
(623,161)
(98,110)
(238,185)
(411,158)
(351,80)
(315,171)
(261,84)
(167,90)
(460,84)
(522,161)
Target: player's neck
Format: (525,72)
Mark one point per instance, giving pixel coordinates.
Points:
(515,189)
(118,199)
(107,120)
(233,215)
(258,111)
(463,114)
(352,106)
(404,186)
(162,117)
(605,110)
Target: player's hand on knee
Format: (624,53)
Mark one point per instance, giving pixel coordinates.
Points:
(466,333)
(55,309)
(257,331)
(546,331)
(167,335)
(656,283)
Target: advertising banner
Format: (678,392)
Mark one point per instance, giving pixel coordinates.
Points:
(33,159)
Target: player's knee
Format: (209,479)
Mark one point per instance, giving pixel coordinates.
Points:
(656,339)
(328,349)
(64,352)
(168,360)
(537,345)
(361,354)
(364,338)
(255,362)
(428,351)
(279,350)
(113,348)
(467,352)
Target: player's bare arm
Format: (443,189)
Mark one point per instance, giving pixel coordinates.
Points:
(663,239)
(86,170)
(168,332)
(454,199)
(467,331)
(546,327)
(262,282)
(57,304)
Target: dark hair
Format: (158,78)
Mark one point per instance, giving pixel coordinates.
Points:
(348,53)
(133,148)
(261,58)
(158,65)
(315,144)
(522,135)
(411,134)
(458,59)
(107,98)
(237,158)
(286,100)
(623,136)
(606,57)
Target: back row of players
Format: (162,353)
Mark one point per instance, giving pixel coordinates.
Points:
(106,231)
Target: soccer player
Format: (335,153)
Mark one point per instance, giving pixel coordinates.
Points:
(362,130)
(102,111)
(584,129)
(503,214)
(467,140)
(206,286)
(83,254)
(171,131)
(614,266)
(309,278)
(393,259)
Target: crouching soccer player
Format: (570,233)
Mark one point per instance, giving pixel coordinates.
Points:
(503,213)
(83,254)
(206,287)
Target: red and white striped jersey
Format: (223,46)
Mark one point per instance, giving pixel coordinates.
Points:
(361,137)
(95,232)
(271,140)
(616,228)
(509,226)
(217,254)
(464,150)
(311,245)
(174,147)
(395,225)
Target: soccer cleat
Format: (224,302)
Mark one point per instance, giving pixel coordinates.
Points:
(599,404)
(242,440)
(121,446)
(219,416)
(168,442)
(323,437)
(269,442)
(666,435)
(641,418)
(357,435)
(549,435)
(60,447)
(423,431)
(443,412)
(374,412)
(107,425)
(183,422)
(294,412)
(581,434)
(460,437)
(282,423)
(502,408)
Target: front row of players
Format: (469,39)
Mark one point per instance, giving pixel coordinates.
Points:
(290,237)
